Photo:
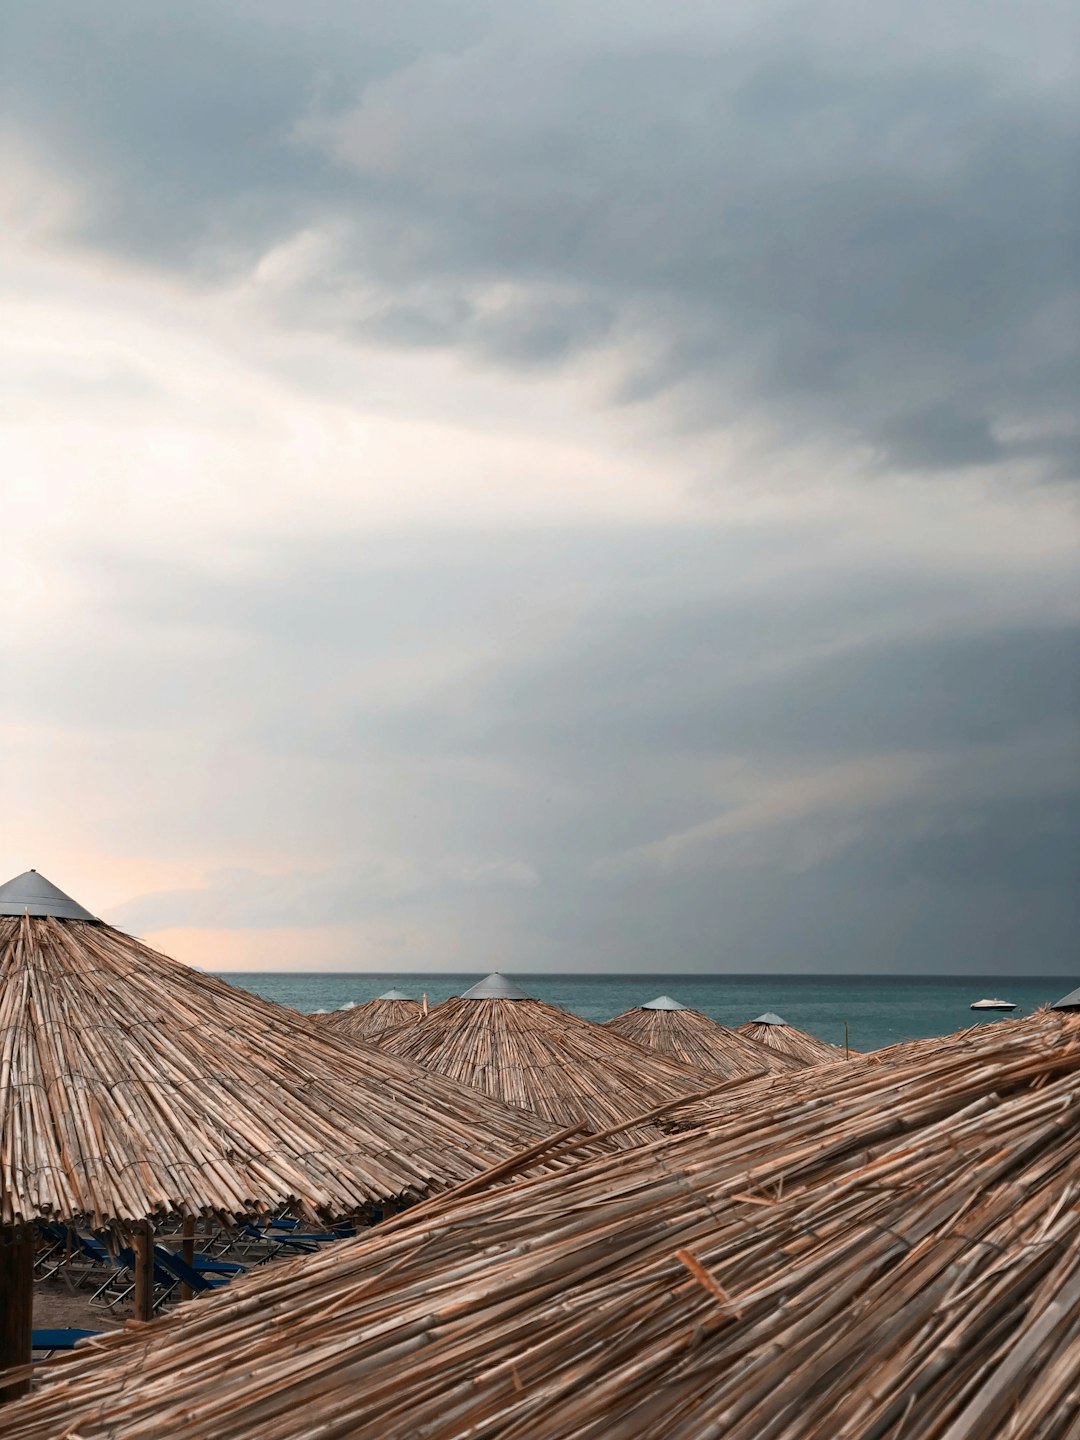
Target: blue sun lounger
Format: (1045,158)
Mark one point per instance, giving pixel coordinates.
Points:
(200,1282)
(52,1340)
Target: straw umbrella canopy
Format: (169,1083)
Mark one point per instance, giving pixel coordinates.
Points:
(134,1088)
(898,1253)
(515,1048)
(778,1036)
(133,1085)
(695,1039)
(373,1018)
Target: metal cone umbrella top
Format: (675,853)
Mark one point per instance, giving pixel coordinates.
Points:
(494,987)
(31,894)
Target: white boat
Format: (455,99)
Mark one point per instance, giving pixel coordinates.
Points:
(993,1005)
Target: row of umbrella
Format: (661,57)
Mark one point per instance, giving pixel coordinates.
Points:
(677,1031)
(133,1089)
(889,1247)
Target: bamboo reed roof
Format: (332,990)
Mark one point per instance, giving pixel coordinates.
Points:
(371,1019)
(896,1253)
(536,1056)
(131,1085)
(695,1039)
(784,1039)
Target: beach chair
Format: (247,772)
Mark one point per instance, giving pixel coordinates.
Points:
(77,1258)
(199,1282)
(279,1241)
(214,1265)
(51,1250)
(291,1226)
(49,1341)
(121,1282)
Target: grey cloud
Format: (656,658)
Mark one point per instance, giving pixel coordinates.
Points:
(942,901)
(181,119)
(499,780)
(931,692)
(832,225)
(240,899)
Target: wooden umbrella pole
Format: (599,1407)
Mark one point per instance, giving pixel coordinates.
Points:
(16,1303)
(144,1271)
(187,1250)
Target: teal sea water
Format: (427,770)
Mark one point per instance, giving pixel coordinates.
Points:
(878,1009)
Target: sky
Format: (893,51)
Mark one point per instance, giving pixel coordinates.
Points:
(586,486)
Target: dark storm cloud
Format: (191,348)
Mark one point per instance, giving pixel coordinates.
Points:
(179,118)
(840,224)
(708,684)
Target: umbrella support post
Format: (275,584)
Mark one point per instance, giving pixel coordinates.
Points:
(187,1250)
(16,1303)
(144,1271)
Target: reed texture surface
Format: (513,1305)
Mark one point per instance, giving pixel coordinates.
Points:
(536,1056)
(132,1086)
(793,1044)
(695,1039)
(893,1253)
(369,1020)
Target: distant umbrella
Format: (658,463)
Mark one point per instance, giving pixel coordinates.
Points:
(1068,1002)
(372,1018)
(772,1031)
(524,1052)
(692,1038)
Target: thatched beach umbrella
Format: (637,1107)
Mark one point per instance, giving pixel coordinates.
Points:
(133,1088)
(695,1039)
(898,1253)
(371,1019)
(509,1045)
(777,1035)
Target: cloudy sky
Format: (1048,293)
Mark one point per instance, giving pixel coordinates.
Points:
(566,486)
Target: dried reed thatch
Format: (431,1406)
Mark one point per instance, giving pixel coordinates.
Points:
(784,1039)
(527,1053)
(694,1039)
(133,1086)
(896,1254)
(372,1018)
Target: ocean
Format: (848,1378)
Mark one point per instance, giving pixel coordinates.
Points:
(878,1009)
